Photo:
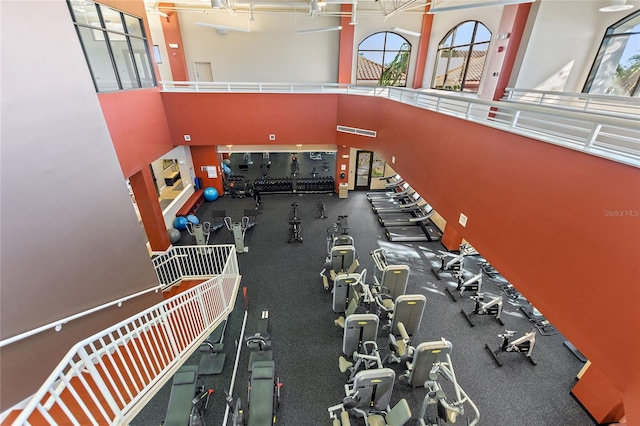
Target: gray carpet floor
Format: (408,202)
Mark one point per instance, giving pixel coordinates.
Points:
(284,278)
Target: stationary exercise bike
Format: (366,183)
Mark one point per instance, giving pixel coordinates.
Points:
(492,307)
(523,345)
(296,226)
(473,284)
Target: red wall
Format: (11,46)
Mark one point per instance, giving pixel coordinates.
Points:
(142,140)
(207,156)
(246,119)
(562,226)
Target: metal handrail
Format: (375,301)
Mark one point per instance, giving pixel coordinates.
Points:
(624,106)
(612,135)
(57,325)
(109,376)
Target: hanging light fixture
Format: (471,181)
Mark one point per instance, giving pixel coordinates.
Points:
(616,6)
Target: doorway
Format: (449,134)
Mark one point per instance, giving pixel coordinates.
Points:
(363,170)
(203,70)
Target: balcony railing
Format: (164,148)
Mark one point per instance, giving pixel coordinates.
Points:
(108,377)
(595,124)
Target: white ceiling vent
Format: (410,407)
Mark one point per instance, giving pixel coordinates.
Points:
(355,131)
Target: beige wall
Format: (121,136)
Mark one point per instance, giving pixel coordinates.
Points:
(70,239)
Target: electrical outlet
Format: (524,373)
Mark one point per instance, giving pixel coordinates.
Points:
(187,138)
(272,137)
(463,220)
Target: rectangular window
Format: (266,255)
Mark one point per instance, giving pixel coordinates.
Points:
(115,46)
(156,52)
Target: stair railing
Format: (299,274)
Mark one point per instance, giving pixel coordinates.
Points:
(108,377)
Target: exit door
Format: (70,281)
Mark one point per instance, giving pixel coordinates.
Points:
(363,170)
(203,70)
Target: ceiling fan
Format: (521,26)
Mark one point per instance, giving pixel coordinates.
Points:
(320,30)
(222,29)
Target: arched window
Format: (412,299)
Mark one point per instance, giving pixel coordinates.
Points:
(616,69)
(461,57)
(383,60)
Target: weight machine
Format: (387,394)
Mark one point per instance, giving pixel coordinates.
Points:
(434,358)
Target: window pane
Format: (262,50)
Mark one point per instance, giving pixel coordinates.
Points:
(112,19)
(395,70)
(99,60)
(463,33)
(441,68)
(124,64)
(631,26)
(619,69)
(84,13)
(369,66)
(448,41)
(133,25)
(374,42)
(475,66)
(142,62)
(395,42)
(482,34)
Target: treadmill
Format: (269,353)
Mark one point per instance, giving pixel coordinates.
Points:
(405,218)
(425,231)
(390,191)
(409,205)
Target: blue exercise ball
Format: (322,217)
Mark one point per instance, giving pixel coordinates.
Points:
(174,235)
(210,194)
(193,219)
(180,223)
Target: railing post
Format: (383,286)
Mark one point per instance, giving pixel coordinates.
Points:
(99,381)
(516,116)
(592,137)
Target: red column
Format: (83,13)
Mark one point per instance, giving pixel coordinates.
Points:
(598,396)
(451,240)
(423,45)
(512,23)
(147,200)
(173,37)
(345,56)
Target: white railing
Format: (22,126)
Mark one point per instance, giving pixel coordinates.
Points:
(618,106)
(614,135)
(184,262)
(107,378)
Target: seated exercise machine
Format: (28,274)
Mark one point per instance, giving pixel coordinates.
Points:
(491,307)
(369,395)
(188,400)
(295,232)
(399,415)
(344,289)
(523,345)
(436,407)
(358,328)
(238,229)
(405,323)
(367,357)
(473,284)
(213,357)
(342,259)
(200,231)
(393,278)
(263,394)
(352,307)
